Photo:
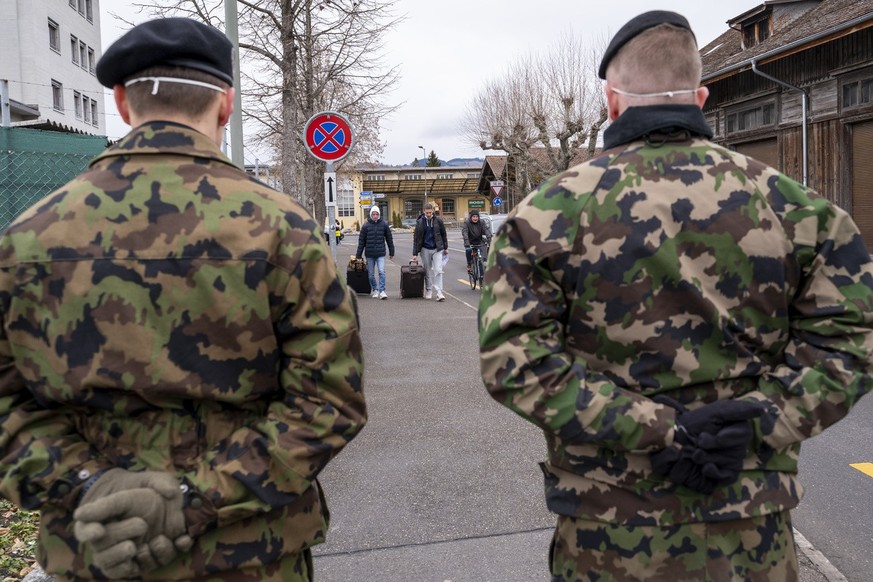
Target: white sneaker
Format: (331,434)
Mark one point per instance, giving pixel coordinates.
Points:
(441,297)
(374,294)
(383,295)
(428,294)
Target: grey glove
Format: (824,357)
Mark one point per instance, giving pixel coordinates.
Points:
(133,521)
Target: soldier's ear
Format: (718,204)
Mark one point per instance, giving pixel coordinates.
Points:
(701,95)
(120,94)
(226,108)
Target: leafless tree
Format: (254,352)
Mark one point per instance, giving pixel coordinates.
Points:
(299,57)
(544,111)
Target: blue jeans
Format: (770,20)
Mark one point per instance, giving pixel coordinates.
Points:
(372,264)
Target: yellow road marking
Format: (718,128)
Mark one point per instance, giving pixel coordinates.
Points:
(866,468)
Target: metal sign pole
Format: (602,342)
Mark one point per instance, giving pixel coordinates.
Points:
(330,197)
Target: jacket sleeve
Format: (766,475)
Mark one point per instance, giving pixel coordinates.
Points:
(321,408)
(525,363)
(443,233)
(43,458)
(416,238)
(827,359)
(389,238)
(465,234)
(362,240)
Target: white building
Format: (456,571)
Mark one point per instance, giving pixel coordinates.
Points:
(49,53)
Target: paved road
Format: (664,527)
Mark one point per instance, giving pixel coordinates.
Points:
(443,483)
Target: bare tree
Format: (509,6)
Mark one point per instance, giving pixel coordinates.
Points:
(544,112)
(299,57)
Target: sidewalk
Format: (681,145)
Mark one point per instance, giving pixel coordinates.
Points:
(442,485)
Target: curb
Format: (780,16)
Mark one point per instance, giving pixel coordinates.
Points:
(818,560)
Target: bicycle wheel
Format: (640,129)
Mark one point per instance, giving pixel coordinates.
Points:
(473,278)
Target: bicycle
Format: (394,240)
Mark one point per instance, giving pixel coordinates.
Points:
(477,273)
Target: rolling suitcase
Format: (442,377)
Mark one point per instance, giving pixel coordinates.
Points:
(411,280)
(357,277)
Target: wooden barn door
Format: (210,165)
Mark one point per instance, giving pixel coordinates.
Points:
(862,179)
(765,150)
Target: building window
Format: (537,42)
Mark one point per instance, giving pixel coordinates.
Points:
(448,205)
(77,104)
(756,32)
(91,60)
(86,109)
(81,7)
(473,175)
(444,176)
(89,10)
(751,117)
(54,36)
(345,205)
(376,177)
(57,96)
(412,208)
(73,4)
(94,112)
(857,93)
(412,177)
(83,54)
(74,48)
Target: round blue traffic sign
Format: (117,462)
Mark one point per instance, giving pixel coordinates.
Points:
(497,201)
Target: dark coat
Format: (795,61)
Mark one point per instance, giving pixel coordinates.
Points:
(442,242)
(373,237)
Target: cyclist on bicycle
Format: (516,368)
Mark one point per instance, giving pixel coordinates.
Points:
(476,233)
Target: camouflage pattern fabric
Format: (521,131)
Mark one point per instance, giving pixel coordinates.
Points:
(729,551)
(682,269)
(165,311)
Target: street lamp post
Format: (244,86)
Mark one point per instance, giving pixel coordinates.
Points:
(424,158)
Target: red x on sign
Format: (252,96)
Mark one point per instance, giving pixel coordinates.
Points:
(328,136)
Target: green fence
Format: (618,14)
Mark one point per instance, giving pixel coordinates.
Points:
(33,163)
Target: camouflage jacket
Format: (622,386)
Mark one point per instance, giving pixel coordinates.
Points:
(683,269)
(165,311)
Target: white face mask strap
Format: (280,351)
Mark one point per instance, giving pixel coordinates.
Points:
(667,94)
(157,82)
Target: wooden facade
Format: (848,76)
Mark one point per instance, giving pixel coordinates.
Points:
(755,115)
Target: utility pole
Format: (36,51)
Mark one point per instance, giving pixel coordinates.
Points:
(424,158)
(236,133)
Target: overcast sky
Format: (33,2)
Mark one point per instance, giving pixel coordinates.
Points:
(447,48)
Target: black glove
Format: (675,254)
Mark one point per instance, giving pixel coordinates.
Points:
(710,419)
(710,444)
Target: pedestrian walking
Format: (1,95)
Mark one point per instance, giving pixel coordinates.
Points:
(429,240)
(178,357)
(677,318)
(375,236)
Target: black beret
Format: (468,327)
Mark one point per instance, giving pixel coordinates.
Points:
(635,26)
(179,42)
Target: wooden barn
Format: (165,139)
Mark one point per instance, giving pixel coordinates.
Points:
(791,83)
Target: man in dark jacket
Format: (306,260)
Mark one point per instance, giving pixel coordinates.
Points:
(429,240)
(476,233)
(374,236)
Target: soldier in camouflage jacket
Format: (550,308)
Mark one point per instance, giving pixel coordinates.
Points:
(166,313)
(665,278)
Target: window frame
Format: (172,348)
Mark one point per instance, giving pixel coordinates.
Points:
(54,36)
(94,112)
(74,48)
(57,96)
(750,116)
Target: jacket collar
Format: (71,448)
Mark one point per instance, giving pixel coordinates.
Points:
(165,137)
(656,123)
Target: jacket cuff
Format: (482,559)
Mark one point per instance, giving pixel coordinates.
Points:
(200,513)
